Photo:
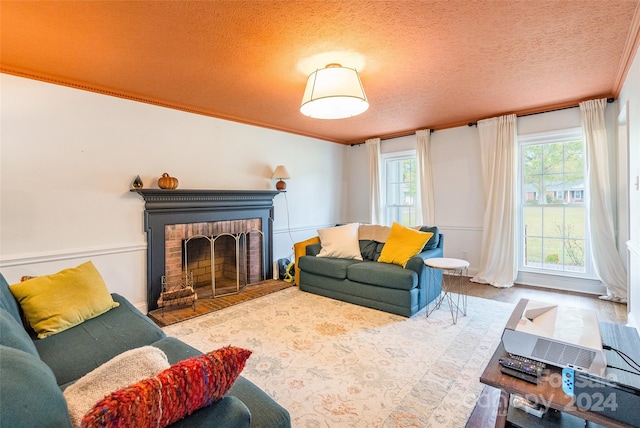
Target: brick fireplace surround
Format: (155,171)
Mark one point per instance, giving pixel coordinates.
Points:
(200,211)
(190,246)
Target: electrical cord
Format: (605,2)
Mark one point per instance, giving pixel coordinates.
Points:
(623,370)
(627,359)
(286,202)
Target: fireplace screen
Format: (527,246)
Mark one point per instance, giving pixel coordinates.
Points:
(227,262)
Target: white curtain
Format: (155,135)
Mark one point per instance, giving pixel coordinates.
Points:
(426,203)
(498,156)
(607,262)
(373,149)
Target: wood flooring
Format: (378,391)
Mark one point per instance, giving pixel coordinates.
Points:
(485,416)
(206,303)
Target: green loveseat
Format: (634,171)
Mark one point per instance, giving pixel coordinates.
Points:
(383,286)
(35,372)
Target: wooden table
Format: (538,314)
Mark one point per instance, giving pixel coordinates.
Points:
(548,392)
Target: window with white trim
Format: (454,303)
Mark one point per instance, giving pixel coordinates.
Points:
(399,187)
(552,218)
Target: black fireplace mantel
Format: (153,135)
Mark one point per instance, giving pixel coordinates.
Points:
(183,206)
(165,199)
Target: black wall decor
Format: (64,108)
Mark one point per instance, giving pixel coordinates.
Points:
(178,206)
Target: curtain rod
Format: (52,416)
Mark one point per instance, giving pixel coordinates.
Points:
(609,101)
(431,131)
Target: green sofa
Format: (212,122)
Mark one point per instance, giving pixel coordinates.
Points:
(383,286)
(35,372)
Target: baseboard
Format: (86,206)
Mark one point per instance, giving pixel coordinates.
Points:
(563,283)
(142,307)
(632,322)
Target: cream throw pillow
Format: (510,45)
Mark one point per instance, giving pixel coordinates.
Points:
(340,241)
(122,370)
(54,303)
(374,232)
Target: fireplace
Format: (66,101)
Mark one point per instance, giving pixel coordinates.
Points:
(224,255)
(222,237)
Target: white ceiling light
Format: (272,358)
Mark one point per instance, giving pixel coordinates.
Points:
(334,92)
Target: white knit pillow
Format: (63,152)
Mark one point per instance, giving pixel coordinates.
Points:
(340,241)
(122,370)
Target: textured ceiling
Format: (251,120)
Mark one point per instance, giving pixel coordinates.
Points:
(423,64)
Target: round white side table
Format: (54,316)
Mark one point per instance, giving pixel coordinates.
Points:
(454,272)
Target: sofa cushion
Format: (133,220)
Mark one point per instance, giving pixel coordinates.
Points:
(434,240)
(402,244)
(13,334)
(122,370)
(97,340)
(57,302)
(392,300)
(7,301)
(265,412)
(173,393)
(340,241)
(229,411)
(327,266)
(383,275)
(29,395)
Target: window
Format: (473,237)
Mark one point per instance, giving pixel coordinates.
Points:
(399,182)
(552,217)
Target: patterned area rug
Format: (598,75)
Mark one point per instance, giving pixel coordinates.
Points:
(333,364)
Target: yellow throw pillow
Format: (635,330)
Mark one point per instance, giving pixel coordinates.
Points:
(56,302)
(402,244)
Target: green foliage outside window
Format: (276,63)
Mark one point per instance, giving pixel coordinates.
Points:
(553,184)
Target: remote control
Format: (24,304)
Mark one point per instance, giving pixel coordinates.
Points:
(528,368)
(567,381)
(528,360)
(520,375)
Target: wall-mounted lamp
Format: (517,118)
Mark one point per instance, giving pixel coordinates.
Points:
(281,174)
(334,92)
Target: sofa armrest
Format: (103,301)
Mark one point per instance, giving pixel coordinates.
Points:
(299,250)
(416,263)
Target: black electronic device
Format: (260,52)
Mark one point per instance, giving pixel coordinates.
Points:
(530,368)
(520,375)
(617,393)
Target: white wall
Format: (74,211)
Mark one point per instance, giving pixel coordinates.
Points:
(457,185)
(629,100)
(68,157)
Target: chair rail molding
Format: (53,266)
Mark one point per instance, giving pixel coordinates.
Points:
(70,254)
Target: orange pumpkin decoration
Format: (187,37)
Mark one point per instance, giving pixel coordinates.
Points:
(167,182)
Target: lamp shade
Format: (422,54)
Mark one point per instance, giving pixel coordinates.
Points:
(281,173)
(334,92)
